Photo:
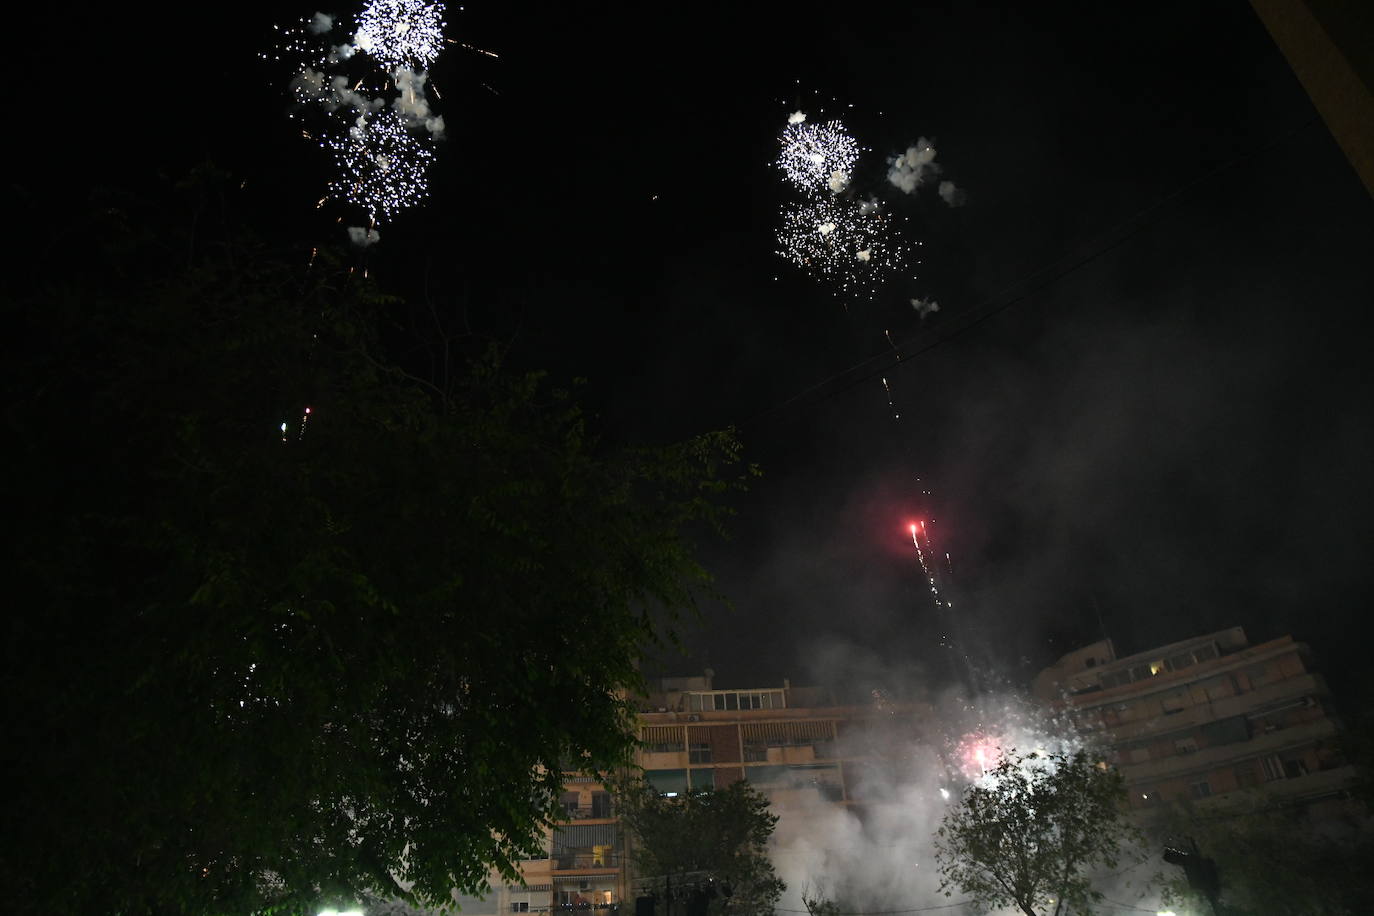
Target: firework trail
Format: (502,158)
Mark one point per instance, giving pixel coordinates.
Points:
(925,567)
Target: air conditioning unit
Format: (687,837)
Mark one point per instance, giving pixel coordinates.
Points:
(694,718)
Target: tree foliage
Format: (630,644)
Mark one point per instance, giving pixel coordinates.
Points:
(719,835)
(1274,860)
(261,669)
(1029,834)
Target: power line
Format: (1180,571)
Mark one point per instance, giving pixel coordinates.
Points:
(1127,906)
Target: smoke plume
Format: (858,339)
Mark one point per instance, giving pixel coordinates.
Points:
(909,170)
(412,103)
(363,238)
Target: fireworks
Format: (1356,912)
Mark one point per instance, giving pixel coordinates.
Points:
(363,87)
(382,165)
(921,555)
(817,157)
(401,33)
(1007,724)
(836,242)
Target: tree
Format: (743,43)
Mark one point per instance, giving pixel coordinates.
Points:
(1028,834)
(717,837)
(1272,859)
(263,658)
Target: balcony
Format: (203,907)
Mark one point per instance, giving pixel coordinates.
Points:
(1222,754)
(604,862)
(1240,704)
(589,812)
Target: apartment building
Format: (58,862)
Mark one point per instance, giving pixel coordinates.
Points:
(1207,717)
(784,739)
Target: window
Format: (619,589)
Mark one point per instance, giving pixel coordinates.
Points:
(1205,653)
(1115,679)
(1292,769)
(755,753)
(1185,745)
(1141,672)
(699,753)
(1200,789)
(1226,731)
(520,906)
(1179,662)
(665,747)
(703,780)
(1273,768)
(667,782)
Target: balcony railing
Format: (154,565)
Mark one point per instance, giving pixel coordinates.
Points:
(565,861)
(588,812)
(580,907)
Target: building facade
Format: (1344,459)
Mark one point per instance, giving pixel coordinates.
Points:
(785,740)
(1206,718)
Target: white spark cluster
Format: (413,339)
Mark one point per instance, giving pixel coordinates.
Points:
(837,242)
(834,235)
(383,167)
(815,157)
(401,33)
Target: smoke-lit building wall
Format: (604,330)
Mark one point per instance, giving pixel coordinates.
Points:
(785,740)
(1207,718)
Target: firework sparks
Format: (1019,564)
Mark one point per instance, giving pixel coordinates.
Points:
(817,156)
(890,404)
(1007,725)
(925,567)
(401,33)
(382,168)
(834,241)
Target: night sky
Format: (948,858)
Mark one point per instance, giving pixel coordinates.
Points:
(1145,395)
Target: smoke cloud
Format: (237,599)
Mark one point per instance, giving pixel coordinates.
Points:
(363,237)
(911,169)
(412,103)
(951,195)
(839,180)
(320,23)
(332,93)
(919,757)
(925,306)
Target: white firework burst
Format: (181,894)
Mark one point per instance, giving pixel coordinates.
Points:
(837,242)
(401,33)
(383,168)
(817,157)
